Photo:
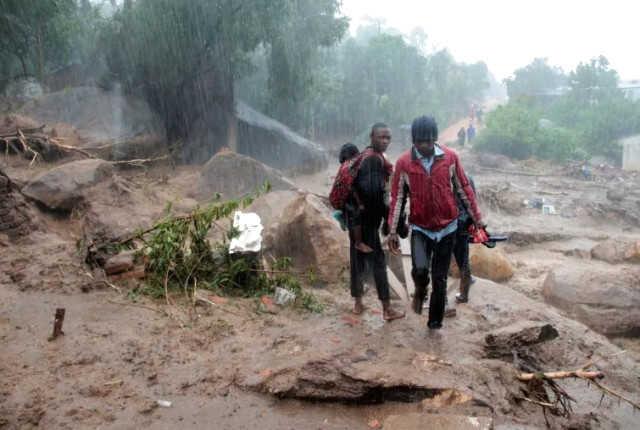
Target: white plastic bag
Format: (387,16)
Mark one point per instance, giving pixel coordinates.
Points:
(250,238)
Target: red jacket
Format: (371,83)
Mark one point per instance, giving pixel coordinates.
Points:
(433,195)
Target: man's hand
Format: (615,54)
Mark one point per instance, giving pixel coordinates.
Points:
(394,244)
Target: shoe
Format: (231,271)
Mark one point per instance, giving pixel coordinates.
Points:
(461,298)
(391,314)
(465,283)
(434,325)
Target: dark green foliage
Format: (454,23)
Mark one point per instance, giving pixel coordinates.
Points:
(587,120)
(535,80)
(516,130)
(180,257)
(35,35)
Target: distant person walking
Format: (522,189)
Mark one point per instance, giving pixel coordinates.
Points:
(462,136)
(370,184)
(471,133)
(431,177)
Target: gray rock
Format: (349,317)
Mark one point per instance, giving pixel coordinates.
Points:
(276,145)
(617,251)
(603,297)
(63,187)
(234,175)
(415,421)
(306,231)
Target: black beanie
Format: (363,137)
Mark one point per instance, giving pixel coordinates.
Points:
(348,151)
(424,128)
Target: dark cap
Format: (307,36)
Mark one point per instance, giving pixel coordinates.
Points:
(424,128)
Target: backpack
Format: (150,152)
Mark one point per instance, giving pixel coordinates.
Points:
(343,184)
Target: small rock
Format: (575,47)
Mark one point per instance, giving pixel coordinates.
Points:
(137,273)
(122,262)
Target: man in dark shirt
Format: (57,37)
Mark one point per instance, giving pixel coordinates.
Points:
(370,184)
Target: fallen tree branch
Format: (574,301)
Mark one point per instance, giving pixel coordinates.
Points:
(582,374)
(609,391)
(139,161)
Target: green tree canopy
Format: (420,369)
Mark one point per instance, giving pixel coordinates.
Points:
(535,79)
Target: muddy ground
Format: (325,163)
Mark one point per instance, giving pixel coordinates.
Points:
(233,366)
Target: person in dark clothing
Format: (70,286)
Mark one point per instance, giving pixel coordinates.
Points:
(370,184)
(461,249)
(432,177)
(354,206)
(462,136)
(471,133)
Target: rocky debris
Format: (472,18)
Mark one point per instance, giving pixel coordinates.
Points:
(416,421)
(501,197)
(119,263)
(63,187)
(335,379)
(490,264)
(15,214)
(505,341)
(234,175)
(98,115)
(617,251)
(10,123)
(525,238)
(306,232)
(605,298)
(616,194)
(493,161)
(275,144)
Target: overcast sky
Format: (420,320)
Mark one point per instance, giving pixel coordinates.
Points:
(508,34)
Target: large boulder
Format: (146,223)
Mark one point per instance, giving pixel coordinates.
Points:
(276,145)
(603,297)
(307,232)
(234,175)
(63,187)
(617,251)
(270,206)
(487,263)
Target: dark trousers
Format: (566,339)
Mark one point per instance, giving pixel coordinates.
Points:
(461,252)
(430,256)
(374,260)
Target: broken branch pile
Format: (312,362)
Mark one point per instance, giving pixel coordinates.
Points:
(34,143)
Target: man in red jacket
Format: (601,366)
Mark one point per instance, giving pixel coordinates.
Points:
(431,176)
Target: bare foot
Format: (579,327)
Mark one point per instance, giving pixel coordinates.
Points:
(364,248)
(358,308)
(391,314)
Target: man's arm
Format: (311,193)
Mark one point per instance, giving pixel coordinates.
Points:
(465,192)
(399,193)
